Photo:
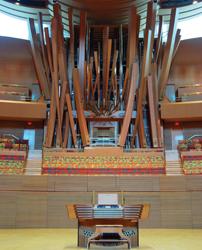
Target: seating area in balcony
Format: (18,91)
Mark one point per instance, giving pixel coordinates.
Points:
(13,155)
(190,151)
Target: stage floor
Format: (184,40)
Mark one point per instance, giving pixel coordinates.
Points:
(64,239)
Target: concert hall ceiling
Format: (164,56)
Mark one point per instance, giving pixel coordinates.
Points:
(99,11)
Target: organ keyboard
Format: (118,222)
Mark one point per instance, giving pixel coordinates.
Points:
(90,216)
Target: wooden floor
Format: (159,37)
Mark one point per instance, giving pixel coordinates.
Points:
(64,239)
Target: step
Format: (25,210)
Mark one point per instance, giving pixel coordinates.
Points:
(34,162)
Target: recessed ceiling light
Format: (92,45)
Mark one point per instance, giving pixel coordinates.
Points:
(194,2)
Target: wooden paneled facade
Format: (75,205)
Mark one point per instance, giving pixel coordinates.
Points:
(39,201)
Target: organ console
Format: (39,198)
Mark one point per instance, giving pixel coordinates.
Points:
(102,219)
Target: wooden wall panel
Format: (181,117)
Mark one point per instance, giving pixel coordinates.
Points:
(193,183)
(172,183)
(154,219)
(99,183)
(102,183)
(176,210)
(31,209)
(51,183)
(34,183)
(175,201)
(187,64)
(127,183)
(71,183)
(8,209)
(10,182)
(22,110)
(16,64)
(196,211)
(57,213)
(185,111)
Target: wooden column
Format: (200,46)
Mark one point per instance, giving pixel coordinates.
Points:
(152,111)
(43,49)
(51,120)
(71,48)
(71,119)
(82,50)
(56,78)
(156,104)
(177,42)
(120,58)
(132,37)
(66,132)
(141,130)
(80,111)
(105,64)
(129,107)
(52,112)
(150,25)
(159,39)
(168,55)
(144,73)
(49,50)
(133,34)
(40,70)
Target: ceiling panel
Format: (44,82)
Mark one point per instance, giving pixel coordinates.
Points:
(98,11)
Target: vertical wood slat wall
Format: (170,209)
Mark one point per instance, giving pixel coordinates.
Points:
(39,201)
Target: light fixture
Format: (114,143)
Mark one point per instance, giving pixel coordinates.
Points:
(194,2)
(167,4)
(17,2)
